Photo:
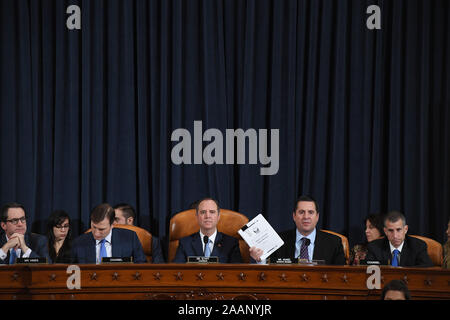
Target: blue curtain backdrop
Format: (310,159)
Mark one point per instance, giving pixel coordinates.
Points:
(86,115)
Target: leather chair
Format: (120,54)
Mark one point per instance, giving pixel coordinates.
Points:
(434,250)
(144,236)
(185,223)
(344,244)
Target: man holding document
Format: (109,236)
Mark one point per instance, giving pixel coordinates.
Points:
(305,242)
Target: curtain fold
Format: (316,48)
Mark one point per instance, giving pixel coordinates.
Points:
(86,116)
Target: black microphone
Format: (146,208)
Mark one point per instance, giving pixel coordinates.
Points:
(307,242)
(205,239)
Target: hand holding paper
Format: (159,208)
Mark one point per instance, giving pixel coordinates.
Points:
(259,233)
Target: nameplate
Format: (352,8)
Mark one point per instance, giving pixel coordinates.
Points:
(117,260)
(376,262)
(283,261)
(200,259)
(40,260)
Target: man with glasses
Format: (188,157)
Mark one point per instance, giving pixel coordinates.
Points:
(16,242)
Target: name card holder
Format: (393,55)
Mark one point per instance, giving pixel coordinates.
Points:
(283,261)
(117,260)
(40,260)
(201,259)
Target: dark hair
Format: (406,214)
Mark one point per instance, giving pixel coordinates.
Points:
(376,220)
(128,211)
(394,216)
(102,211)
(308,199)
(10,205)
(396,285)
(197,204)
(57,218)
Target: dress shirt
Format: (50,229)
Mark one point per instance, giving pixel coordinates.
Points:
(392,248)
(298,243)
(211,239)
(3,254)
(108,246)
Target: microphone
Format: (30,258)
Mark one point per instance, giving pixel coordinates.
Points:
(205,239)
(307,242)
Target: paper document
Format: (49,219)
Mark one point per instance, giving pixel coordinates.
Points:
(260,234)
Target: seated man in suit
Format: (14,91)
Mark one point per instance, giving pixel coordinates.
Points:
(305,241)
(16,242)
(398,249)
(106,241)
(209,241)
(125,214)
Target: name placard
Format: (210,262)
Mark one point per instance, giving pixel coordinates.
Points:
(311,262)
(40,260)
(200,259)
(117,260)
(283,261)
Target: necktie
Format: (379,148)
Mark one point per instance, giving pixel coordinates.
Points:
(12,257)
(207,248)
(102,250)
(304,248)
(395,258)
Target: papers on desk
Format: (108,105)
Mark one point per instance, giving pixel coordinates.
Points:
(260,234)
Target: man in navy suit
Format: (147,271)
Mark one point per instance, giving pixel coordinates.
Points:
(106,241)
(398,249)
(208,241)
(305,241)
(16,242)
(125,214)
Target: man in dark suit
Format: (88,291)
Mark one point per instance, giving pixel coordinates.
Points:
(208,241)
(125,214)
(305,241)
(15,242)
(398,249)
(106,241)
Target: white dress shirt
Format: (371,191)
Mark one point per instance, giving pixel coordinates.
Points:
(108,247)
(212,238)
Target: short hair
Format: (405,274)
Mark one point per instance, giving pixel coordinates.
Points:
(308,199)
(396,285)
(128,210)
(10,205)
(102,211)
(394,216)
(197,204)
(376,220)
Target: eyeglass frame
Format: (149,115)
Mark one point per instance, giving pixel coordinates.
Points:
(66,226)
(15,221)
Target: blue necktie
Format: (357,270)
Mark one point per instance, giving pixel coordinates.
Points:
(207,249)
(395,258)
(304,249)
(12,256)
(102,250)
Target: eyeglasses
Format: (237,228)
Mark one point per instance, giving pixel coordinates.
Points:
(16,220)
(66,226)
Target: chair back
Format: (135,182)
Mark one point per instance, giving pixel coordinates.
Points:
(434,250)
(144,236)
(185,223)
(345,245)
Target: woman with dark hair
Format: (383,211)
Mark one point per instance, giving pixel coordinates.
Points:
(373,230)
(59,237)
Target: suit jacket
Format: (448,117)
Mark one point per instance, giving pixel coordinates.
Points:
(36,242)
(414,253)
(125,243)
(157,255)
(225,247)
(327,247)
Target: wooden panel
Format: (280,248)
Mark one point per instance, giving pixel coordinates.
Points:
(214,281)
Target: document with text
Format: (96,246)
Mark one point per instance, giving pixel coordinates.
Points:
(260,234)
